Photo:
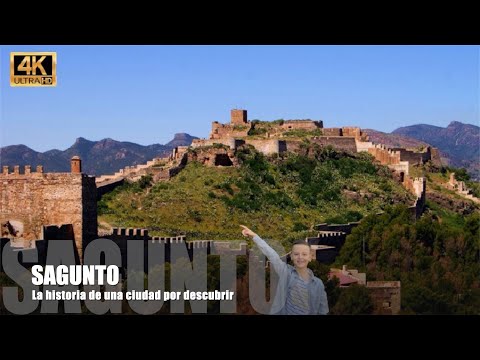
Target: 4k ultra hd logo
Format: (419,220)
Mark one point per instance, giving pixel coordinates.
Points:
(33,69)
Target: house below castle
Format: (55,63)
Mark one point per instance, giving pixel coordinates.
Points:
(385,295)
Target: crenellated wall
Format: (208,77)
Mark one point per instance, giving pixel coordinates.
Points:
(159,168)
(330,238)
(346,228)
(385,155)
(326,246)
(121,235)
(393,159)
(135,170)
(32,200)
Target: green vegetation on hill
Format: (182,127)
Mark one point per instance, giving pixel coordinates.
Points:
(436,259)
(302,134)
(278,197)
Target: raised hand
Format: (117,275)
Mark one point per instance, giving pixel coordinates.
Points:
(247,232)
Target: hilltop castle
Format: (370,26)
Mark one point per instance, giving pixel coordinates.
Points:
(278,136)
(48,206)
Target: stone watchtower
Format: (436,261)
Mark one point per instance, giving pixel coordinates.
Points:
(238,117)
(48,206)
(76,165)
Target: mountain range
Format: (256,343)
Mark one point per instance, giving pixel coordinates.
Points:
(98,157)
(459,145)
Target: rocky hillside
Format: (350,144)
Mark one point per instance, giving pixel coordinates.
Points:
(99,157)
(281,198)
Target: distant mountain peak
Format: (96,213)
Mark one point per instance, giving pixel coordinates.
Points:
(462,126)
(108,140)
(99,157)
(181,136)
(18,147)
(457,124)
(181,139)
(82,140)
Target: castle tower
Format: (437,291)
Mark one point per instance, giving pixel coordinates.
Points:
(76,165)
(238,117)
(32,202)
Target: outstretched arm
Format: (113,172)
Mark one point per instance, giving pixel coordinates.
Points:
(278,264)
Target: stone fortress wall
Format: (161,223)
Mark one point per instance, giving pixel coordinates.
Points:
(32,201)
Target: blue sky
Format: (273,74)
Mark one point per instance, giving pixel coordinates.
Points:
(146,94)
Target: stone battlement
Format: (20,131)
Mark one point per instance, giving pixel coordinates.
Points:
(131,233)
(331,238)
(33,203)
(325,234)
(26,170)
(131,170)
(346,228)
(394,159)
(123,234)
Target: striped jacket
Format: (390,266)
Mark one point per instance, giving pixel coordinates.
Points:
(287,275)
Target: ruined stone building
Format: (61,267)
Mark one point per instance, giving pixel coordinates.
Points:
(461,188)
